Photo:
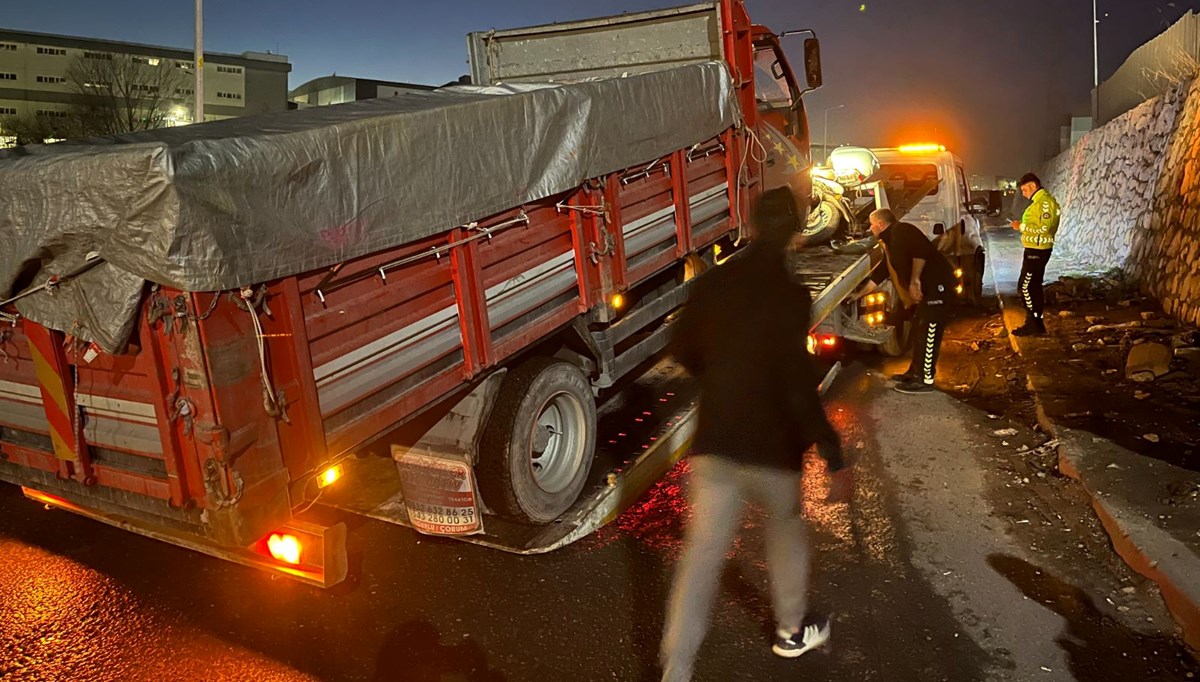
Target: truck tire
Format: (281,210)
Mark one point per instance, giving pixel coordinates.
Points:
(898,342)
(823,223)
(972,278)
(536,450)
(977,276)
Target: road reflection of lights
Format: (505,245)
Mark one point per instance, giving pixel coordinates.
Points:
(869,524)
(64,620)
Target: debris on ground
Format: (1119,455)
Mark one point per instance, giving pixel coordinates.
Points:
(1148,358)
(1122,349)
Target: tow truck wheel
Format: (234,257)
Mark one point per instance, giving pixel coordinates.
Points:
(977,276)
(898,342)
(536,451)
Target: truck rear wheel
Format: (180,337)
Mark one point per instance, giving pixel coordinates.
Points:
(537,448)
(898,342)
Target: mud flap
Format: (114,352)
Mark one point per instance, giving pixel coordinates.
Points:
(437,473)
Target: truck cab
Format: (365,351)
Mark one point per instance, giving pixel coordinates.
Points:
(944,210)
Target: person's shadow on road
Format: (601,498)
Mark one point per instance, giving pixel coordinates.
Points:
(1097,645)
(414,652)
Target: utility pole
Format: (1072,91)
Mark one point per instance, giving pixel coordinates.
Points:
(1095,66)
(1095,46)
(198,110)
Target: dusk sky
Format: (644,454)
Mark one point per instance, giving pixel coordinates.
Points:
(989,78)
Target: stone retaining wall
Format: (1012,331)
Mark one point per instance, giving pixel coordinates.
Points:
(1130,193)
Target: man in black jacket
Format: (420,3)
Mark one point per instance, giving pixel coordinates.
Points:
(923,278)
(744,336)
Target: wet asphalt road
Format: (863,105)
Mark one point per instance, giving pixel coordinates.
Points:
(936,573)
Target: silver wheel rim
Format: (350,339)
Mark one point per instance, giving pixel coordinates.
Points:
(557,443)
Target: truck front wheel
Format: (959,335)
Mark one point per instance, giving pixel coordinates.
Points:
(537,448)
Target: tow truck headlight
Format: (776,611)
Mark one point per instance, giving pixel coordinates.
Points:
(958,273)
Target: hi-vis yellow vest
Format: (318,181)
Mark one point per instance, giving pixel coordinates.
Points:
(1040,222)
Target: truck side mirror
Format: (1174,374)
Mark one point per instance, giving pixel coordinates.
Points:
(939,228)
(812,63)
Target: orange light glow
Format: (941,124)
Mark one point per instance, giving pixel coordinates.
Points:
(618,301)
(925,148)
(284,547)
(50,500)
(829,341)
(329,476)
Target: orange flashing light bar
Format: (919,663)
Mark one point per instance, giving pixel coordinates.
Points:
(925,148)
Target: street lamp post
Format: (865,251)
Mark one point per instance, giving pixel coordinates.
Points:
(1095,46)
(198,116)
(825,137)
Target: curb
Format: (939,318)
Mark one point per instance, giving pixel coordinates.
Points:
(1147,549)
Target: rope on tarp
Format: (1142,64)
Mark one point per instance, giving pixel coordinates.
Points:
(52,283)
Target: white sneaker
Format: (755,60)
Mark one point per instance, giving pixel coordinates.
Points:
(813,635)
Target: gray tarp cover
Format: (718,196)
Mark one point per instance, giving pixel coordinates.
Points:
(247,200)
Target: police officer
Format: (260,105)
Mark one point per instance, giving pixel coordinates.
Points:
(1038,226)
(923,278)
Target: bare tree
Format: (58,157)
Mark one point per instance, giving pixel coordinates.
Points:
(120,93)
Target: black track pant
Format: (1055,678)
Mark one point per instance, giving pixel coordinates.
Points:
(1033,270)
(932,313)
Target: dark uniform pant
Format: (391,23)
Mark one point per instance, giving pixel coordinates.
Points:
(932,313)
(1033,270)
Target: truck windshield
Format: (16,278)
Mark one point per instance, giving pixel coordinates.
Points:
(770,84)
(911,177)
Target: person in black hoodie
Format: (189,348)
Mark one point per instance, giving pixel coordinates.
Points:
(744,335)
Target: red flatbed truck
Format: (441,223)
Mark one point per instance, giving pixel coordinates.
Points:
(211,401)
